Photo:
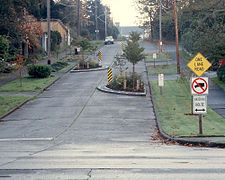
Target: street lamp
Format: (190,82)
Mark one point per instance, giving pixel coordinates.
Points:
(106,33)
(160,26)
(96,21)
(98,17)
(49,32)
(78,18)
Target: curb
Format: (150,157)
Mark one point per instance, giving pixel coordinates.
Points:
(15,108)
(89,70)
(105,89)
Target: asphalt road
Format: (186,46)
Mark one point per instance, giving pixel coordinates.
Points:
(73,131)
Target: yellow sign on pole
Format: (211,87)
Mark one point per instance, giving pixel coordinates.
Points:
(199,64)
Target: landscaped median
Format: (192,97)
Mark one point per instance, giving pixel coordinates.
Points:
(173,111)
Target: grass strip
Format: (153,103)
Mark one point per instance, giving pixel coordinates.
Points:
(165,56)
(221,84)
(9,102)
(28,85)
(162,69)
(173,110)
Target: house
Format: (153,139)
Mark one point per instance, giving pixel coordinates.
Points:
(56,25)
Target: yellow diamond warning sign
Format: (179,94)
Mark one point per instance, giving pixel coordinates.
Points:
(199,64)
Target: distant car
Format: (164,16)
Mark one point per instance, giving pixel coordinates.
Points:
(109,40)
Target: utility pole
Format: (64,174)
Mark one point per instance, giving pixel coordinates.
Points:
(96,20)
(177,36)
(78,18)
(106,33)
(160,26)
(49,32)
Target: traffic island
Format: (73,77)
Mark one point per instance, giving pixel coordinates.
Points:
(87,66)
(105,89)
(124,84)
(89,70)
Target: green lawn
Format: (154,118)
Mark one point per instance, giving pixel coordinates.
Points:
(9,102)
(28,84)
(219,83)
(173,110)
(164,69)
(160,57)
(67,68)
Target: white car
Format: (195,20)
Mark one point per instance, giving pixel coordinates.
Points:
(109,40)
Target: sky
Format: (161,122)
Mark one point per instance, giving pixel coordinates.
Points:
(123,11)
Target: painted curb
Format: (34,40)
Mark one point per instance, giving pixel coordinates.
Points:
(105,89)
(89,70)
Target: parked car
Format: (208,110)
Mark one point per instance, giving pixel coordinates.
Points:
(109,40)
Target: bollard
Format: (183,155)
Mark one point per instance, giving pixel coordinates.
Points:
(124,84)
(138,84)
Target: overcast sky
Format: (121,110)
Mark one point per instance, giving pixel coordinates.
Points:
(123,11)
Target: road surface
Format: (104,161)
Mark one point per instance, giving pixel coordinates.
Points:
(73,131)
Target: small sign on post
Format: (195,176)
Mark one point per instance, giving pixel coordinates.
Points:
(154,58)
(160,82)
(199,104)
(199,86)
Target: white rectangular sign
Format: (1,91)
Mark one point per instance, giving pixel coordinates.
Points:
(154,55)
(161,80)
(199,104)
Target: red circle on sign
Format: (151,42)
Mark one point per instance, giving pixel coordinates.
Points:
(199,85)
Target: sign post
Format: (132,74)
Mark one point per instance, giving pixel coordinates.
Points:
(154,58)
(199,87)
(200,108)
(161,82)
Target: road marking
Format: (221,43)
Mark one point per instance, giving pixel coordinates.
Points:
(26,139)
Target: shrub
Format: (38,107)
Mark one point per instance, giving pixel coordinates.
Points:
(5,67)
(117,82)
(39,71)
(221,73)
(92,64)
(4,48)
(58,66)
